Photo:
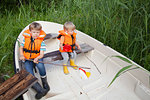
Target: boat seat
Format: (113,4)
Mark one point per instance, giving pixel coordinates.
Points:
(16,85)
(51,36)
(56,55)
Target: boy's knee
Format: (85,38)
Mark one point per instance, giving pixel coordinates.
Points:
(40,65)
(66,59)
(41,59)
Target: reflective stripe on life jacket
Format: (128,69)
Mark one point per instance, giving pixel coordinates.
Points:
(68,39)
(32,47)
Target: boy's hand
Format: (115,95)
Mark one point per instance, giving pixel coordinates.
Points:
(61,46)
(35,60)
(22,57)
(79,48)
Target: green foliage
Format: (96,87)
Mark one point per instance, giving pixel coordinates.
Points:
(118,74)
(124,69)
(124,59)
(120,24)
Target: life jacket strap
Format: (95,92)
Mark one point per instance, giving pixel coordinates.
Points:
(59,36)
(31,51)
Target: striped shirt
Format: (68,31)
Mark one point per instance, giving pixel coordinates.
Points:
(43,45)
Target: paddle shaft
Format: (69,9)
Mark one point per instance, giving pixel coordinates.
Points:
(59,64)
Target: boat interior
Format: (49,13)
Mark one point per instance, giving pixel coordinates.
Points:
(131,85)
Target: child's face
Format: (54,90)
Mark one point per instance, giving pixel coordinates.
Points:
(70,31)
(35,33)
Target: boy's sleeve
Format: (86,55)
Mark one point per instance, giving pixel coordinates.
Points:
(43,46)
(22,43)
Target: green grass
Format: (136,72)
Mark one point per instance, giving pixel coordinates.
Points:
(124,25)
(124,69)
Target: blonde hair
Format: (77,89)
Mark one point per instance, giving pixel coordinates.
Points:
(35,26)
(69,25)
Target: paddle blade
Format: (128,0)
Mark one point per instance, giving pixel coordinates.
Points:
(84,74)
(88,74)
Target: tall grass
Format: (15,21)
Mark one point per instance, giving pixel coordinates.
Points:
(120,24)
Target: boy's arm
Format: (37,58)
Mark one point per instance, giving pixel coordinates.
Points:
(77,45)
(21,53)
(61,42)
(21,50)
(39,57)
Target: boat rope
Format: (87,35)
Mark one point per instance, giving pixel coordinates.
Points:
(90,61)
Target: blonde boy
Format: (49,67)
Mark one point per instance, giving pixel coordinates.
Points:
(68,42)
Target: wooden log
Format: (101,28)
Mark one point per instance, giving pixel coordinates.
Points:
(12,81)
(56,55)
(26,80)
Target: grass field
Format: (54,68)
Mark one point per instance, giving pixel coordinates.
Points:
(124,25)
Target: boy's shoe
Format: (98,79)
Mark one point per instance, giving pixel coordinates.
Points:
(45,84)
(40,91)
(65,69)
(73,64)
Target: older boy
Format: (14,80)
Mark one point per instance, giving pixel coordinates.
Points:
(32,48)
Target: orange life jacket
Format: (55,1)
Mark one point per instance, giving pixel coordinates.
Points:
(32,47)
(68,39)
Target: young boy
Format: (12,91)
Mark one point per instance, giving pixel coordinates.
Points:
(31,51)
(68,42)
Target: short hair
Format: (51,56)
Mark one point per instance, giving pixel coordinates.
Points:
(69,25)
(35,25)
